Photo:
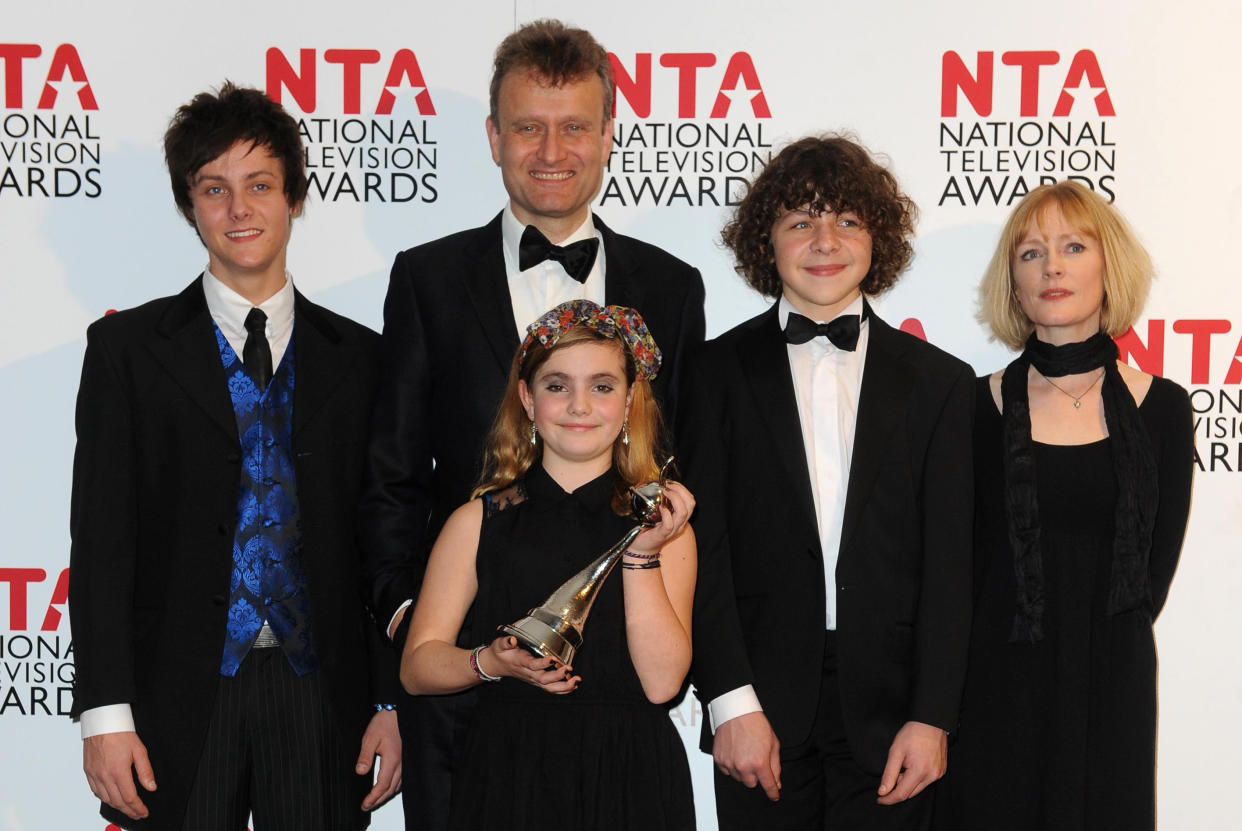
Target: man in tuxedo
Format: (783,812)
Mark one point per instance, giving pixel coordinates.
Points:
(454,316)
(215,594)
(830,456)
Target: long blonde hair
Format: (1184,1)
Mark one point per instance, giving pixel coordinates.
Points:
(1127,267)
(508,452)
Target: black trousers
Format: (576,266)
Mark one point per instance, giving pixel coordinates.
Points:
(822,787)
(273,750)
(433,737)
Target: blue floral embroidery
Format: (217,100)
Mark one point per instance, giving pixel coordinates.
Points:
(247,509)
(222,343)
(268,578)
(243,391)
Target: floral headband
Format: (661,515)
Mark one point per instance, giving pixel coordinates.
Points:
(619,322)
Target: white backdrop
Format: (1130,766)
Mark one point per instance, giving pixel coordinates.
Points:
(972,101)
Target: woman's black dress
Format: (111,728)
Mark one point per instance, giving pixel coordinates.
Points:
(601,757)
(1061,734)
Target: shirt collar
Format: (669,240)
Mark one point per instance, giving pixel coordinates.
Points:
(592,495)
(511,230)
(229,309)
(785,308)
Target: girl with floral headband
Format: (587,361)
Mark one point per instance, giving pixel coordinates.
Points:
(587,745)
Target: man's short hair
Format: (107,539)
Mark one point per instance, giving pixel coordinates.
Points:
(823,173)
(554,53)
(210,124)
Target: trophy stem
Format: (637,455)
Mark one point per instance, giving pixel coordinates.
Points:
(554,630)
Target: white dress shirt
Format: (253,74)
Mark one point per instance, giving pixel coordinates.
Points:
(228,309)
(827,381)
(547,284)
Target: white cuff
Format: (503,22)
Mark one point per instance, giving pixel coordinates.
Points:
(111,718)
(392,621)
(732,704)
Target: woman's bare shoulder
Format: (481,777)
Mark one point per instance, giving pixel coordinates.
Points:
(1138,382)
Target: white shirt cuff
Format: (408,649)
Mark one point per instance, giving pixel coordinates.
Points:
(111,718)
(392,621)
(732,704)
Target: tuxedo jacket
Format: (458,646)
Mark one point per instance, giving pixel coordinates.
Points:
(154,509)
(449,341)
(903,569)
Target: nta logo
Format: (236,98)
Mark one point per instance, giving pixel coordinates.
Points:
(740,80)
(19,579)
(1149,356)
(403,72)
(956,76)
(65,60)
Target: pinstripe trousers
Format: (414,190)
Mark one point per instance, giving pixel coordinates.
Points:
(273,751)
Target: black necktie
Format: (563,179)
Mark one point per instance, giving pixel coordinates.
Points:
(256,354)
(842,331)
(577,257)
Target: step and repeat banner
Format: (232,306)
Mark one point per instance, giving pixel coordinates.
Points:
(972,102)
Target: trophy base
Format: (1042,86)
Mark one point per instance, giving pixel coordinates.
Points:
(546,635)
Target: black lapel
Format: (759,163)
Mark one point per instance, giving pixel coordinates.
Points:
(187,348)
(764,361)
(621,287)
(322,360)
(487,285)
(882,404)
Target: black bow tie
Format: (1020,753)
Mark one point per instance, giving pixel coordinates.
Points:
(841,331)
(577,257)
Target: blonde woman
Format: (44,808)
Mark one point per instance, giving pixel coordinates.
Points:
(1083,469)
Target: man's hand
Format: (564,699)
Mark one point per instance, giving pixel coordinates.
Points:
(381,739)
(746,749)
(917,758)
(110,761)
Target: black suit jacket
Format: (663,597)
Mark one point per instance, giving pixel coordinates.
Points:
(903,570)
(449,340)
(154,507)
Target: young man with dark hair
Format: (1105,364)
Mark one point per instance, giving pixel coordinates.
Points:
(225,663)
(456,311)
(830,457)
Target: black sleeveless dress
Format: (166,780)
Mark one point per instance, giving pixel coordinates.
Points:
(1060,735)
(601,757)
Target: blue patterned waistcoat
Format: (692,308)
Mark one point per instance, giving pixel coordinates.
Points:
(268,581)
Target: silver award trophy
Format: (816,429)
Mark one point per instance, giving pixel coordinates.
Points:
(554,629)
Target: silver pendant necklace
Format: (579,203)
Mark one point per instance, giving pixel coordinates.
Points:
(1076,398)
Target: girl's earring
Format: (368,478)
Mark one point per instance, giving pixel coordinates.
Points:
(534,433)
(625,432)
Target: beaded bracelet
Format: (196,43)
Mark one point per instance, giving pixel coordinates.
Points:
(479,672)
(629,553)
(381,707)
(641,566)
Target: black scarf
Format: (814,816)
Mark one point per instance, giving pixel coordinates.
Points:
(1133,463)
